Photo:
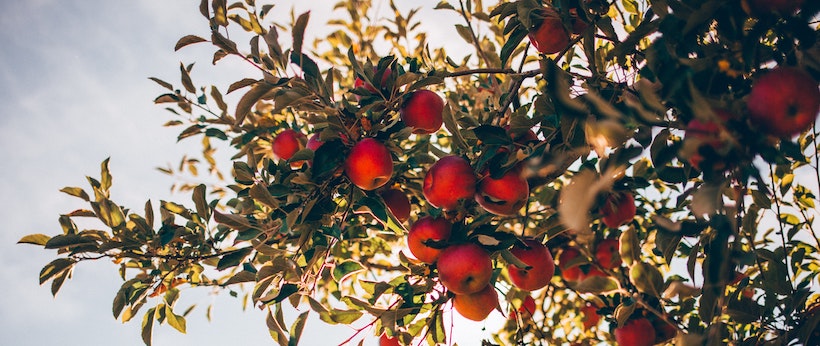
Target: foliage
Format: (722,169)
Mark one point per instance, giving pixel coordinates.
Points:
(722,248)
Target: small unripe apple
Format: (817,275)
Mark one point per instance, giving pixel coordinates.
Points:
(538,257)
(636,332)
(784,101)
(369,164)
(398,203)
(385,340)
(476,306)
(447,181)
(618,209)
(570,274)
(550,36)
(464,268)
(607,254)
(505,195)
(424,230)
(422,112)
(287,143)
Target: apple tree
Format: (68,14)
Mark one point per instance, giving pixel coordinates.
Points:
(594,170)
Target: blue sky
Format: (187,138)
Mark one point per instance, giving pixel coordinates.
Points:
(74,90)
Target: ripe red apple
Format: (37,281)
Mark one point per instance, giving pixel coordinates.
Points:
(784,101)
(397,202)
(447,181)
(570,274)
(505,195)
(426,229)
(476,306)
(607,254)
(422,111)
(527,309)
(538,257)
(385,340)
(590,316)
(618,209)
(464,268)
(550,36)
(287,143)
(369,164)
(636,332)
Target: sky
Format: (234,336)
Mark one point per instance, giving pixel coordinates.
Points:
(74,90)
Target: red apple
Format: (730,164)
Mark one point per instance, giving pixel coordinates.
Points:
(618,209)
(574,273)
(593,271)
(636,332)
(369,164)
(784,101)
(314,142)
(447,181)
(397,202)
(578,24)
(505,195)
(663,331)
(590,316)
(607,254)
(550,36)
(287,143)
(385,340)
(538,257)
(427,229)
(464,268)
(422,111)
(476,306)
(527,309)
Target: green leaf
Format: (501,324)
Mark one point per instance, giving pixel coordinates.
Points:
(245,104)
(186,40)
(346,268)
(162,83)
(176,321)
(35,239)
(105,176)
(276,326)
(492,135)
(327,159)
(629,246)
(68,241)
(515,38)
(58,282)
(54,268)
(262,195)
(307,65)
(76,192)
(646,278)
(299,32)
(297,328)
(199,200)
(148,326)
(233,258)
